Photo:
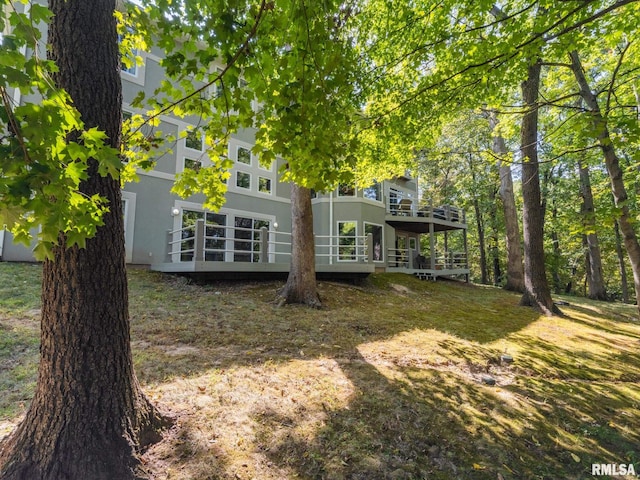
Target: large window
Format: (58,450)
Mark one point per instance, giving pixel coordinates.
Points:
(214,243)
(246,243)
(378,247)
(347,248)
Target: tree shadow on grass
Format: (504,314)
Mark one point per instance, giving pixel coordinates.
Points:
(424,423)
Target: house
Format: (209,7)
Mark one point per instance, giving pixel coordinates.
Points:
(358,231)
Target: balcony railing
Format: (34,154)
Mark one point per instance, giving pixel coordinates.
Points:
(408,258)
(407,207)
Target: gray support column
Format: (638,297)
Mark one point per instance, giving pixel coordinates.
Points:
(369,247)
(432,246)
(198,253)
(264,245)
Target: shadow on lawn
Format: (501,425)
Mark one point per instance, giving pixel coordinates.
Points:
(419,421)
(426,423)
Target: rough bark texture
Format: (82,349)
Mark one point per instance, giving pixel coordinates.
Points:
(515,269)
(301,284)
(595,277)
(537,292)
(613,169)
(88,418)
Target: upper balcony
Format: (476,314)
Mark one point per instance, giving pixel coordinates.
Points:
(405,214)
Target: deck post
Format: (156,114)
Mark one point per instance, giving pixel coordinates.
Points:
(432,246)
(466,253)
(264,245)
(369,247)
(198,244)
(169,246)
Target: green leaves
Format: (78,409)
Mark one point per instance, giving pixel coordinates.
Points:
(46,152)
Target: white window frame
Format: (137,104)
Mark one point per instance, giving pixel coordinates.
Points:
(382,255)
(250,180)
(355,244)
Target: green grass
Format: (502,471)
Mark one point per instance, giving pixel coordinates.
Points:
(385,382)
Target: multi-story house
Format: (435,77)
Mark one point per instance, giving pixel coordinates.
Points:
(384,227)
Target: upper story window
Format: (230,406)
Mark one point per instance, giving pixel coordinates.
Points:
(192,164)
(346,190)
(374,192)
(244,155)
(193,140)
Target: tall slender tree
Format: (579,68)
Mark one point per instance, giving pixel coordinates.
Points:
(537,293)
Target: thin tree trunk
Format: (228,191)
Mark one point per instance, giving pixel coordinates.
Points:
(494,238)
(515,270)
(481,242)
(88,418)
(595,277)
(624,283)
(537,292)
(301,284)
(612,163)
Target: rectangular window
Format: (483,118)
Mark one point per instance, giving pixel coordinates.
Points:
(188,234)
(347,241)
(243,180)
(215,237)
(345,190)
(264,185)
(128,63)
(246,243)
(214,241)
(376,233)
(193,140)
(374,192)
(244,155)
(191,164)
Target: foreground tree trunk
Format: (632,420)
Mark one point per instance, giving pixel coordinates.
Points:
(88,418)
(625,220)
(595,277)
(301,284)
(515,270)
(537,292)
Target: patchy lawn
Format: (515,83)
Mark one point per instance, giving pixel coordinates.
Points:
(386,382)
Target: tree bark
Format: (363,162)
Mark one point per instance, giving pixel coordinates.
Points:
(515,270)
(624,283)
(537,292)
(301,286)
(595,277)
(484,278)
(612,164)
(88,418)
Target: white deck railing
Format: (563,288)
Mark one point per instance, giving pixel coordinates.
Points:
(407,207)
(240,244)
(411,259)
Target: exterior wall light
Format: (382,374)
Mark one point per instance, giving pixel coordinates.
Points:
(175,211)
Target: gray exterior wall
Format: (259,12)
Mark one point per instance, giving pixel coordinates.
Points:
(151,211)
